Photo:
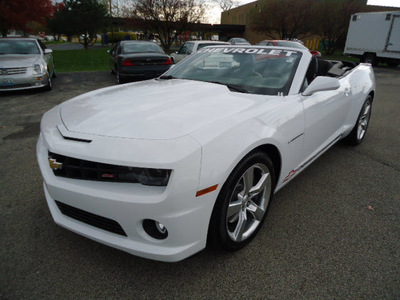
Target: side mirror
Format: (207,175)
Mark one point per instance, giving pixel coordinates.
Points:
(176,52)
(48,51)
(322,83)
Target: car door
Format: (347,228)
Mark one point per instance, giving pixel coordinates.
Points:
(47,56)
(114,57)
(184,51)
(325,113)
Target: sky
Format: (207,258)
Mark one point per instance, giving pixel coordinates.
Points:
(215,14)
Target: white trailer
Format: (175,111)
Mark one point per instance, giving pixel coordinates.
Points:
(374,37)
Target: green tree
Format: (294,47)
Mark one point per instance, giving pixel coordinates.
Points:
(166,18)
(282,19)
(331,21)
(84,18)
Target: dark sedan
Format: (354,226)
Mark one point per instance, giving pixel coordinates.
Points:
(138,59)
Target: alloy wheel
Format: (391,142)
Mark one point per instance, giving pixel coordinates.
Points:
(248,202)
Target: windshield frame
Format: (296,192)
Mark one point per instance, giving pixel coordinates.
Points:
(181,70)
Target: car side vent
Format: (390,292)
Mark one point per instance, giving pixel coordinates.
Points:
(70,138)
(76,139)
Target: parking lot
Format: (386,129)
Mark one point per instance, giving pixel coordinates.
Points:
(332,233)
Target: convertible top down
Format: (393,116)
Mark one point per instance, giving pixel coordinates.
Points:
(163,167)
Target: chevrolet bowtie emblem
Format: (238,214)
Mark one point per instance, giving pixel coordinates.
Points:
(54,165)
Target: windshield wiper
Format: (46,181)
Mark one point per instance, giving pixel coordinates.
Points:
(167,77)
(232,87)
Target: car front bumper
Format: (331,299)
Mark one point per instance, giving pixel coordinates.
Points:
(176,206)
(23,81)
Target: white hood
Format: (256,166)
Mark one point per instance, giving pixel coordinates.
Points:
(156,109)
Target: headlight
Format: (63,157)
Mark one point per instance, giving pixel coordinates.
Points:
(155,177)
(38,69)
(158,177)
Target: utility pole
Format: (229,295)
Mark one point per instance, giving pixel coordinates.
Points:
(112,28)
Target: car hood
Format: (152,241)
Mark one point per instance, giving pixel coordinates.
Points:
(154,109)
(17,60)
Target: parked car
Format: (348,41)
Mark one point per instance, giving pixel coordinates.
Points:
(161,167)
(25,63)
(284,43)
(133,59)
(238,41)
(191,47)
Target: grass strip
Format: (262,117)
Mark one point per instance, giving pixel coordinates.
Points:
(81,60)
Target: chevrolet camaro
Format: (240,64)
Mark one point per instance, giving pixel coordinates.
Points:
(164,167)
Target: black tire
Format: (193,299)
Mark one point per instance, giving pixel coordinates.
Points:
(359,130)
(112,71)
(393,64)
(238,213)
(120,79)
(370,58)
(49,85)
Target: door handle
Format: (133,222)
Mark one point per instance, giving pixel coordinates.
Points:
(347,91)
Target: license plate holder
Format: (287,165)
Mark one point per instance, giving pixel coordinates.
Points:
(6,82)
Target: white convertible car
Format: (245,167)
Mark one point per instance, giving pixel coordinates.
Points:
(163,167)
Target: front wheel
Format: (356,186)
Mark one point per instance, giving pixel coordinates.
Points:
(49,85)
(243,202)
(359,130)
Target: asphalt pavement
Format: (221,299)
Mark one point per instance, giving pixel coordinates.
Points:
(332,233)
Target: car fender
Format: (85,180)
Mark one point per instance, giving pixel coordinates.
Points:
(230,144)
(362,82)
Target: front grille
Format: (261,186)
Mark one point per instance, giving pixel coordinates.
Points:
(13,71)
(89,170)
(91,219)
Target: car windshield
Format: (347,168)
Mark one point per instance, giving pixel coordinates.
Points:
(255,70)
(290,44)
(239,40)
(18,47)
(200,46)
(141,48)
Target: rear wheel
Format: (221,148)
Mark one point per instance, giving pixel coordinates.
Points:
(120,79)
(370,58)
(243,202)
(357,134)
(393,64)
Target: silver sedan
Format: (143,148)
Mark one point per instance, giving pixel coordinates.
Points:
(25,63)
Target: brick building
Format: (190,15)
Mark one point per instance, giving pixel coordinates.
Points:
(240,16)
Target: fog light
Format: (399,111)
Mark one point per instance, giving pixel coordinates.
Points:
(155,229)
(161,228)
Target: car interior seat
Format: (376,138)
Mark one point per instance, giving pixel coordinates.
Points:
(312,70)
(323,67)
